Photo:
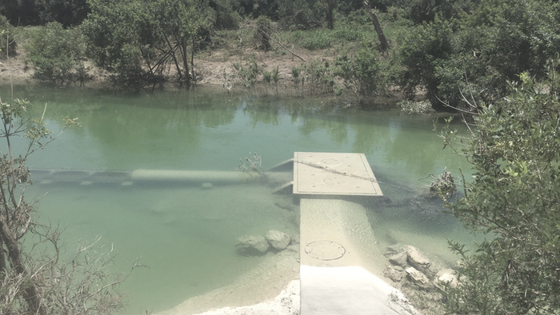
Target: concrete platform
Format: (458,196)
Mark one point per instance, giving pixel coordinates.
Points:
(338,259)
(333,174)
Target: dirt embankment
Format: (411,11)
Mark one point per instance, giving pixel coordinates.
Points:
(211,68)
(15,70)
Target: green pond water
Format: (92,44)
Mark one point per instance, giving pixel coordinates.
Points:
(186,235)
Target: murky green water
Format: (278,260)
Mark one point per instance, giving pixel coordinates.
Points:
(186,235)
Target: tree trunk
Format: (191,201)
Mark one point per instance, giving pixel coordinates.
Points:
(30,293)
(192,58)
(382,39)
(172,51)
(2,258)
(330,18)
(185,60)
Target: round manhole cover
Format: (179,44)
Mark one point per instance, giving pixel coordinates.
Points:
(325,250)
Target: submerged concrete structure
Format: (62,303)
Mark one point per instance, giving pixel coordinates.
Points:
(334,174)
(336,239)
(338,261)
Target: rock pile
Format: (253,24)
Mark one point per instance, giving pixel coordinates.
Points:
(408,263)
(259,245)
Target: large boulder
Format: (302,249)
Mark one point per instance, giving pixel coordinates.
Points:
(252,245)
(277,239)
(416,259)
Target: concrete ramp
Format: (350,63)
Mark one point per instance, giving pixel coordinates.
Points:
(336,233)
(338,262)
(337,244)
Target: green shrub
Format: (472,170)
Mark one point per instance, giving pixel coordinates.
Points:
(319,77)
(57,54)
(363,73)
(248,73)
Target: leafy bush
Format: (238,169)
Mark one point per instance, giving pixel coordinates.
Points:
(318,77)
(514,200)
(248,73)
(57,54)
(363,73)
(421,53)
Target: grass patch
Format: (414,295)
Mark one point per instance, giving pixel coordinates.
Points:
(322,38)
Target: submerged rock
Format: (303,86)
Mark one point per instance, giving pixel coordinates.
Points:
(277,239)
(252,245)
(416,259)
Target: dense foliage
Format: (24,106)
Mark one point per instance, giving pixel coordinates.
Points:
(140,41)
(57,54)
(514,199)
(478,51)
(38,12)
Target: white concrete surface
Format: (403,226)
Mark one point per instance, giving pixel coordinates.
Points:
(334,174)
(348,291)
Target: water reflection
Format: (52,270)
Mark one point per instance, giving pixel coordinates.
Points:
(184,129)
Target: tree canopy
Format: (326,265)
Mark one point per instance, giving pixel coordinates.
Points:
(480,49)
(39,12)
(514,200)
(138,41)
